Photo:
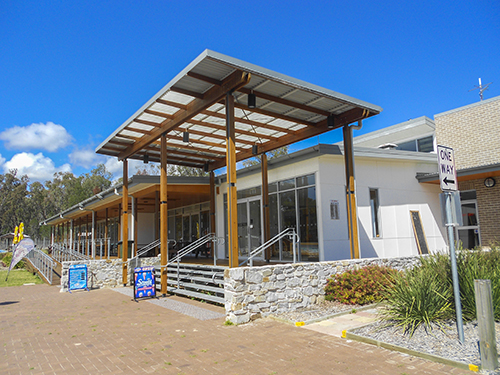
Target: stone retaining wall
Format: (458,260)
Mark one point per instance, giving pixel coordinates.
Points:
(105,273)
(254,292)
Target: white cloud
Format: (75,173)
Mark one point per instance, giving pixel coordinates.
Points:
(36,167)
(86,158)
(49,136)
(2,160)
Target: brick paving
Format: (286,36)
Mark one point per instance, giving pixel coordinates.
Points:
(102,331)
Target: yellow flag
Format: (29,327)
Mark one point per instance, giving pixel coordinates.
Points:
(15,240)
(21,231)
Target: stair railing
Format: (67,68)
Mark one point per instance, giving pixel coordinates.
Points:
(62,254)
(145,249)
(43,263)
(288,232)
(191,247)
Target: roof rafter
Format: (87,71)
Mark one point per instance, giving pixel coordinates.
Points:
(234,81)
(346,118)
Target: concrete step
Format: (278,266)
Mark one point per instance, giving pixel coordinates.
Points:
(202,296)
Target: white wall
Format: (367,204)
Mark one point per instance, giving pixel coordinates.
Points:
(145,228)
(398,192)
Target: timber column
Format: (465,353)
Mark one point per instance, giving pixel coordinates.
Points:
(265,203)
(212,210)
(163,215)
(125,222)
(232,214)
(352,217)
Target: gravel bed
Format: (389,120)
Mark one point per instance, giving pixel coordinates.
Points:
(439,341)
(320,311)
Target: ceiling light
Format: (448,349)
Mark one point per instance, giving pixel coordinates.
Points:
(330,122)
(252,99)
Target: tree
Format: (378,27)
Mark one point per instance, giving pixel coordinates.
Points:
(270,155)
(97,180)
(13,191)
(172,170)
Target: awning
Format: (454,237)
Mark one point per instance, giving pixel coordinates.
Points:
(287,110)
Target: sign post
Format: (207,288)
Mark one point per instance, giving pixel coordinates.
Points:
(449,183)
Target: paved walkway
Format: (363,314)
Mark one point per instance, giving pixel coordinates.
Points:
(43,331)
(336,326)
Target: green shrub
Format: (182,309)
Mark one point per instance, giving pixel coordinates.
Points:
(481,265)
(7,258)
(418,297)
(360,286)
(425,294)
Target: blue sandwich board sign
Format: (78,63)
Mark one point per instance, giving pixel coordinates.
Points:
(77,277)
(144,283)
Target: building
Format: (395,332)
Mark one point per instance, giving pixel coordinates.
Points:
(220,110)
(473,131)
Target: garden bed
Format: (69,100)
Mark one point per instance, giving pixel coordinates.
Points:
(441,342)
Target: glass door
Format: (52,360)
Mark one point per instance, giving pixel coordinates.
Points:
(249,226)
(243,245)
(469,232)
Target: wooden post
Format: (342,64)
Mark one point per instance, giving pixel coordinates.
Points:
(135,213)
(212,209)
(486,325)
(232,214)
(125,223)
(71,235)
(106,233)
(157,219)
(93,247)
(352,218)
(163,215)
(79,237)
(87,235)
(265,203)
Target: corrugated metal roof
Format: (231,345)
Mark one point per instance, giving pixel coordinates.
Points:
(288,110)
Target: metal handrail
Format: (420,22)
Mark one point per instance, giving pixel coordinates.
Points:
(62,254)
(191,247)
(145,249)
(287,232)
(43,263)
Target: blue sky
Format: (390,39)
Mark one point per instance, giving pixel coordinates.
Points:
(72,72)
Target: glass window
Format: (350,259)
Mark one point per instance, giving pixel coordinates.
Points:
(374,204)
(205,223)
(467,195)
(274,224)
(288,220)
(469,214)
(308,230)
(305,180)
(287,184)
(425,144)
(171,227)
(178,227)
(185,229)
(407,146)
(195,227)
(247,193)
(273,187)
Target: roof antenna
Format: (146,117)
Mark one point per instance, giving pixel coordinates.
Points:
(481,88)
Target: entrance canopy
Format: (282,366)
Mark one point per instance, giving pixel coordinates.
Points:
(190,110)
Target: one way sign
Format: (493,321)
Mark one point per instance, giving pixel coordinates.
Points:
(447,171)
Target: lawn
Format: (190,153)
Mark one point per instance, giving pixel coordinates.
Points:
(18,277)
